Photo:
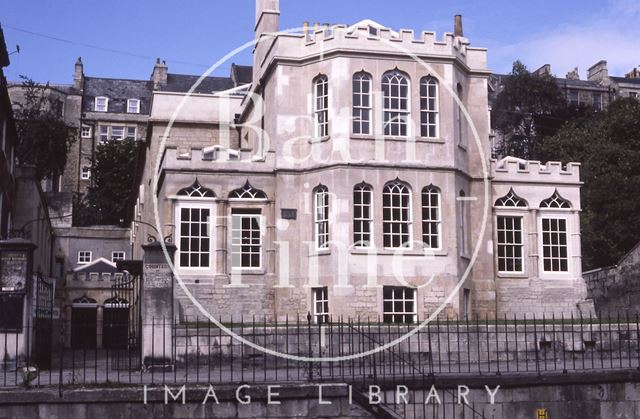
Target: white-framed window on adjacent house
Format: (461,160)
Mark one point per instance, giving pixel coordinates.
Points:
(101,104)
(103,133)
(118,255)
(395,104)
(396,215)
(84,256)
(246,239)
(133,105)
(85,174)
(131,132)
(320,303)
(429,107)
(431,218)
(399,304)
(362,103)
(321,106)
(321,216)
(362,215)
(85,131)
(117,132)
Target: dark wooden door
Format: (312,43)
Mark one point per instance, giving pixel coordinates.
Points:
(115,328)
(83,327)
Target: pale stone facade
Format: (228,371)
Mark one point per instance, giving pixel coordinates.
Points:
(284,245)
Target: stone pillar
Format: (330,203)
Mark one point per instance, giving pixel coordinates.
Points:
(16,284)
(157,306)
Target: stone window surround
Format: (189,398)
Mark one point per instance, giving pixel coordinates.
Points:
(133,105)
(202,203)
(517,212)
(118,255)
(562,215)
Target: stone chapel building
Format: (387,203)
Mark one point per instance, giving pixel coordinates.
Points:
(352,176)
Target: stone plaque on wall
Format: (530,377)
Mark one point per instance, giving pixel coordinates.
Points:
(157,275)
(13,270)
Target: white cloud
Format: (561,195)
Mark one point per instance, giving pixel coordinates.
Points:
(611,36)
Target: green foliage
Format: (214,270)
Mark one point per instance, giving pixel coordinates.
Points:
(529,108)
(44,137)
(608,145)
(112,181)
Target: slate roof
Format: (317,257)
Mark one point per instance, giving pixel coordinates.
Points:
(182,83)
(241,74)
(625,80)
(118,91)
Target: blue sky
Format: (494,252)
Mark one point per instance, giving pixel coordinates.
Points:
(192,34)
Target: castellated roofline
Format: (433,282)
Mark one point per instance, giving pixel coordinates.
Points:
(511,169)
(380,39)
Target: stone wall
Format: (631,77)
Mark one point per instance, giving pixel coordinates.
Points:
(616,288)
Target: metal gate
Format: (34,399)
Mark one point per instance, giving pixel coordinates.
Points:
(121,327)
(43,297)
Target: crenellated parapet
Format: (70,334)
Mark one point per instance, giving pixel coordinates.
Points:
(518,170)
(325,39)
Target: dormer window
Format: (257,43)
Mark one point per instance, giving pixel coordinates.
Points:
(101,104)
(133,106)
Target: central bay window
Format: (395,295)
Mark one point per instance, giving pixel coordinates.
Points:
(429,107)
(555,249)
(395,102)
(510,237)
(399,305)
(320,304)
(194,227)
(246,239)
(431,221)
(362,103)
(321,217)
(362,215)
(321,106)
(396,215)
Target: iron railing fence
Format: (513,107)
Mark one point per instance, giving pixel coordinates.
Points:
(359,352)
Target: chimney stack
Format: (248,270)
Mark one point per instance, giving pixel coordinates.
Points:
(78,74)
(598,72)
(159,74)
(305,28)
(633,74)
(267,17)
(457,26)
(573,74)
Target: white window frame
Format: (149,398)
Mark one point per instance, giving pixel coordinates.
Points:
(514,214)
(116,253)
(103,133)
(431,222)
(203,203)
(399,298)
(135,107)
(552,215)
(321,212)
(98,108)
(362,107)
(135,132)
(114,136)
(429,107)
(404,244)
(85,131)
(85,174)
(360,191)
(321,106)
(396,115)
(237,247)
(320,296)
(83,255)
